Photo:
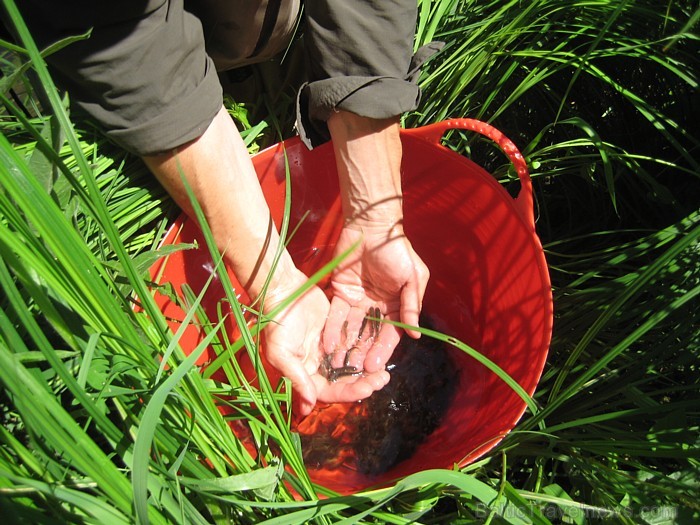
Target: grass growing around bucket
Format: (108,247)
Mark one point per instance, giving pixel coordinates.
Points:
(599,97)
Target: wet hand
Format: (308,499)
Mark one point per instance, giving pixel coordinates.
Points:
(292,345)
(382,278)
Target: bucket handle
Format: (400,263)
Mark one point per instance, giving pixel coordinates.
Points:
(434,133)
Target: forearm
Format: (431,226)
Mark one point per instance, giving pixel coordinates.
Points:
(217,167)
(368,156)
(385,271)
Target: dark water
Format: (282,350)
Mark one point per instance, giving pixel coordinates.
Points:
(377,433)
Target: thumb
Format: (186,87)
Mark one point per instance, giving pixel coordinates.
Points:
(412,297)
(303,389)
(411,304)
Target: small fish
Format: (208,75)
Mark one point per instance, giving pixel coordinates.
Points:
(333,374)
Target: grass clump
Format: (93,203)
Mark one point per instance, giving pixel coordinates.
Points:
(600,96)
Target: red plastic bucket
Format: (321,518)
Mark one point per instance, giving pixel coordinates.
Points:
(489,283)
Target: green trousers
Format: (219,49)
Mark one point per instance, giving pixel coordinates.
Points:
(147,72)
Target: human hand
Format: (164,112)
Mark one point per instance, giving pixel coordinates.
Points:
(384,273)
(293,347)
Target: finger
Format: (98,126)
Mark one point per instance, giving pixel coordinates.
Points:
(383,347)
(355,356)
(349,338)
(367,339)
(412,299)
(351,389)
(332,332)
(356,322)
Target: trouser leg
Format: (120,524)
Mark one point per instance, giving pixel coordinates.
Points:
(241,32)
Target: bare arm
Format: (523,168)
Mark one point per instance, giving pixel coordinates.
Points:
(219,171)
(385,271)
(224,182)
(368,153)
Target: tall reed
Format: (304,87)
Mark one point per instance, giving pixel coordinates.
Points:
(597,94)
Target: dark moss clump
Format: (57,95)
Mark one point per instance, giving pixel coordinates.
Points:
(404,413)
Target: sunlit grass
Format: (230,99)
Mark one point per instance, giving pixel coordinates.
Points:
(97,429)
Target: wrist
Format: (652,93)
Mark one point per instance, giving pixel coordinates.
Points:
(372,210)
(374,226)
(368,157)
(269,279)
(282,284)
